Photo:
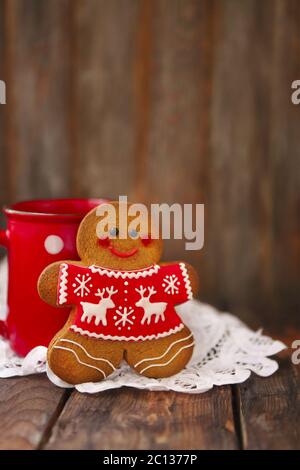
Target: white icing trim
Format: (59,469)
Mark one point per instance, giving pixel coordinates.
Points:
(77,329)
(166,352)
(87,353)
(63,284)
(187,281)
(170,360)
(134,274)
(80,362)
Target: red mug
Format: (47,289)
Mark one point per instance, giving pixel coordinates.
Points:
(38,233)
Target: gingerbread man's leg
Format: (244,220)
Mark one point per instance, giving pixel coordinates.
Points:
(78,359)
(162,357)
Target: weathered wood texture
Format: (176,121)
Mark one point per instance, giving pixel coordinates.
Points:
(131,419)
(262,413)
(270,410)
(239,199)
(28,407)
(3,179)
(4,189)
(169,101)
(285,153)
(106,119)
(38,38)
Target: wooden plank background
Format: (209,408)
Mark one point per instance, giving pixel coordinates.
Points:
(262,413)
(129,419)
(169,101)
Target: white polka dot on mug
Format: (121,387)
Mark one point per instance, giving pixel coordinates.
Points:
(53,244)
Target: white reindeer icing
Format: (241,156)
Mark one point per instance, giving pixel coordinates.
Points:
(150,308)
(98,311)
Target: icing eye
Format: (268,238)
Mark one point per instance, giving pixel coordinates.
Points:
(114,232)
(133,233)
(146,240)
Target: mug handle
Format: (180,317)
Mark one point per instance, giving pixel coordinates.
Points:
(3,242)
(4,238)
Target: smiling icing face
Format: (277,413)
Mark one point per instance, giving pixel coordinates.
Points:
(106,248)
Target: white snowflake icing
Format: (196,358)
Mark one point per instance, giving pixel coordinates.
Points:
(170,284)
(122,317)
(82,286)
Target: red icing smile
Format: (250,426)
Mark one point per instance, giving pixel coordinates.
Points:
(123,254)
(105,242)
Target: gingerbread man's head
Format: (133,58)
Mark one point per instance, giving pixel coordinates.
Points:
(113,237)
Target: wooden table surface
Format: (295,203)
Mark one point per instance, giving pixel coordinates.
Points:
(262,413)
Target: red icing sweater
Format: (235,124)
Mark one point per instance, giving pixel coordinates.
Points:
(124,305)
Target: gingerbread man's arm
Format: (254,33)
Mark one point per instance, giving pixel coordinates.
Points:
(192,273)
(48,282)
(194,278)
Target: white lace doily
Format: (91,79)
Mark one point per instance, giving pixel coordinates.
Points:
(226,352)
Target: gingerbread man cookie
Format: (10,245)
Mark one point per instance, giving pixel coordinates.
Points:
(122,306)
